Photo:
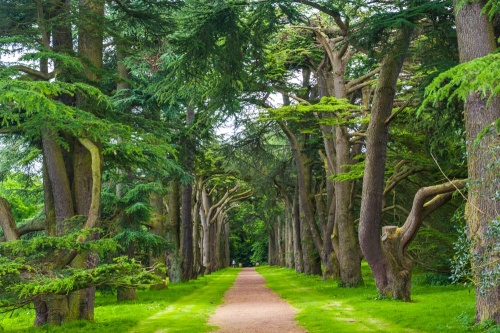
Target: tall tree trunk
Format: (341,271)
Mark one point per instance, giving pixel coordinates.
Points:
(187,218)
(187,233)
(297,235)
(331,265)
(59,182)
(212,257)
(205,248)
(90,47)
(57,188)
(289,262)
(332,82)
(272,252)
(281,241)
(218,242)
(172,233)
(376,151)
(349,253)
(306,216)
(197,232)
(124,294)
(476,39)
(310,256)
(158,222)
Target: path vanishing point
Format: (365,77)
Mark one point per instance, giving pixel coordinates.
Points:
(250,307)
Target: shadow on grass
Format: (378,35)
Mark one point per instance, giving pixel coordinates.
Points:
(325,307)
(183,307)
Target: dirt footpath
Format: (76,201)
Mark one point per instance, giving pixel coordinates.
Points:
(249,306)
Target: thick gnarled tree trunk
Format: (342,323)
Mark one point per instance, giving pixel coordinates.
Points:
(376,152)
(476,39)
(395,241)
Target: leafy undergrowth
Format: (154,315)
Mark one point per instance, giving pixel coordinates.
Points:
(325,307)
(183,307)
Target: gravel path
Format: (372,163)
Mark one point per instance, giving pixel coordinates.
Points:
(249,306)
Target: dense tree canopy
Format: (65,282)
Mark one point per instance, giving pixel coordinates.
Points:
(146,141)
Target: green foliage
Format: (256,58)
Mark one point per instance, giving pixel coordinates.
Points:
(432,279)
(355,172)
(123,272)
(375,31)
(216,54)
(182,307)
(19,17)
(461,263)
(432,249)
(492,7)
(341,110)
(479,75)
(468,323)
(249,232)
(133,201)
(31,104)
(291,49)
(44,247)
(486,262)
(146,241)
(32,267)
(24,195)
(19,159)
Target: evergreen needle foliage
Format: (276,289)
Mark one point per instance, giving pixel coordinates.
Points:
(183,307)
(29,268)
(481,75)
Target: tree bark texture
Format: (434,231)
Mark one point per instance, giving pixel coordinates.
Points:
(395,241)
(376,152)
(187,233)
(311,234)
(158,226)
(59,182)
(172,233)
(273,248)
(349,256)
(331,269)
(187,206)
(297,235)
(289,262)
(7,221)
(476,39)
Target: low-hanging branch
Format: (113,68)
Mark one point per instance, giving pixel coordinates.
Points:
(34,73)
(400,175)
(26,228)
(360,86)
(298,99)
(335,14)
(123,272)
(398,111)
(422,207)
(362,78)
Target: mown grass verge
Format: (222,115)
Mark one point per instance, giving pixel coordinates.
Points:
(183,307)
(325,307)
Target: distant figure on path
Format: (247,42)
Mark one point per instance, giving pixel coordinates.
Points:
(233,263)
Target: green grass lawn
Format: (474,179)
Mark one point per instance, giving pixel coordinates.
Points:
(322,305)
(183,307)
(325,307)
